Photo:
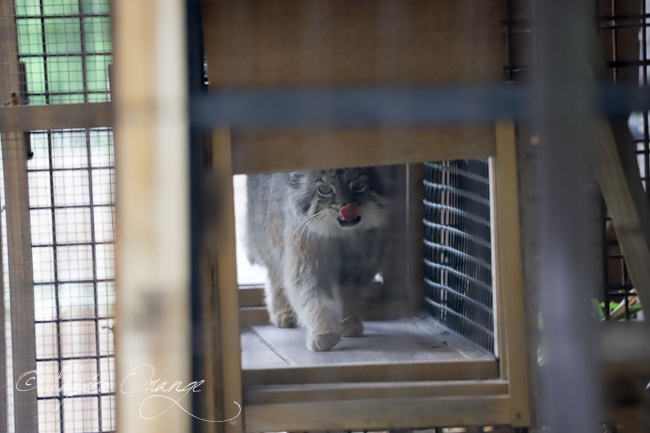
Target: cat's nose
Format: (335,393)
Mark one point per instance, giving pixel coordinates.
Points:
(349,212)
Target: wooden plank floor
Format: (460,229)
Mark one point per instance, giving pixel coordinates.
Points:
(419,339)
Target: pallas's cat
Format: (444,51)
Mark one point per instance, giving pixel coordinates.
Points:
(321,235)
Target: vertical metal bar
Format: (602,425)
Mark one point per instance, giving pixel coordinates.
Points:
(56,277)
(564,101)
(84,75)
(94,260)
(644,58)
(508,41)
(82,41)
(44,46)
(614,39)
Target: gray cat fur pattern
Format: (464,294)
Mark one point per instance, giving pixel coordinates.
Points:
(318,264)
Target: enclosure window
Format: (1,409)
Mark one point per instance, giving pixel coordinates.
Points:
(58,222)
(71,208)
(66,48)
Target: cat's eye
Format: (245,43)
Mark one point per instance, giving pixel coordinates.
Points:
(358,185)
(325,189)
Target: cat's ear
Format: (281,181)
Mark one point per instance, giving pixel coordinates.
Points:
(296,178)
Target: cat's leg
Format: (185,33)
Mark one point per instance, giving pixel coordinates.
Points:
(319,312)
(351,325)
(279,308)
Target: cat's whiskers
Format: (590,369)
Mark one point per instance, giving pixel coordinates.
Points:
(305,224)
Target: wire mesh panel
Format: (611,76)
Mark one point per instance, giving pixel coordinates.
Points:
(65,48)
(623,27)
(57,223)
(457,252)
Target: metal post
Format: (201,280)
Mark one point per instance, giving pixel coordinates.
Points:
(565,99)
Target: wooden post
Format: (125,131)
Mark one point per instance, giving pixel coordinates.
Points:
(152,236)
(19,244)
(3,342)
(507,274)
(221,253)
(415,212)
(396,283)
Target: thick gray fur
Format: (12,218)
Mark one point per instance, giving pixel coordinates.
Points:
(317,269)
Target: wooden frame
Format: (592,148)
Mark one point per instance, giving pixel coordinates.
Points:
(152,212)
(254,45)
(269,394)
(19,244)
(45,117)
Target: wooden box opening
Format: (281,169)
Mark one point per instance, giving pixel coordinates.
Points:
(407,371)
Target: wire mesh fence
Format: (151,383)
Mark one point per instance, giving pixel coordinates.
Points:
(623,27)
(457,248)
(57,223)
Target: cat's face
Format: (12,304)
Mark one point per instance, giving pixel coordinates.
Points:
(336,202)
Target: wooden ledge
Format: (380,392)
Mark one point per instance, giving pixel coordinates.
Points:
(61,116)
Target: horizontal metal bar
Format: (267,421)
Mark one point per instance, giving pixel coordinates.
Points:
(457,252)
(80,319)
(481,284)
(74,358)
(81,92)
(460,295)
(467,194)
(47,16)
(472,217)
(409,106)
(54,170)
(475,239)
(76,206)
(51,283)
(460,316)
(78,244)
(67,54)
(64,396)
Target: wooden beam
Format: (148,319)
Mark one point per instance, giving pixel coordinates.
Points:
(617,171)
(372,390)
(250,296)
(265,151)
(394,268)
(415,212)
(152,212)
(379,414)
(507,272)
(397,372)
(19,240)
(221,246)
(258,315)
(45,117)
(284,43)
(253,316)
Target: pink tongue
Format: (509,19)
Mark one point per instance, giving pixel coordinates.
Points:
(349,212)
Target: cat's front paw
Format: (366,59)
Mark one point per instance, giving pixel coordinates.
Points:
(284,319)
(351,327)
(321,341)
